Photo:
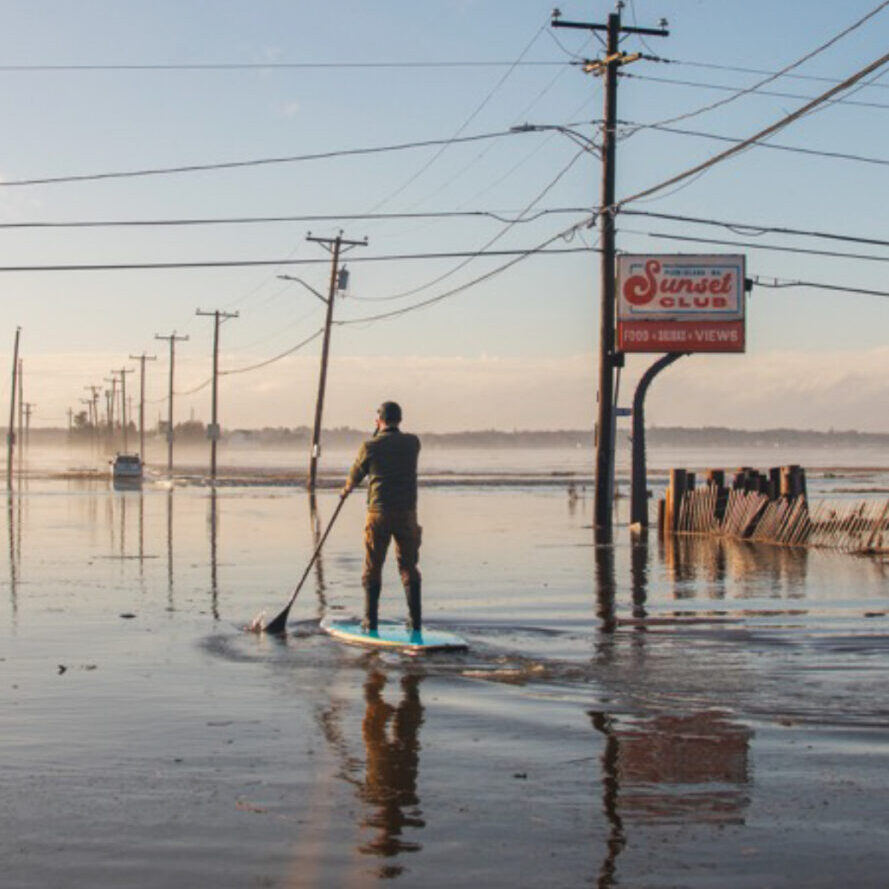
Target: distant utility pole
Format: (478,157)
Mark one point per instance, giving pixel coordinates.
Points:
(21,407)
(213,428)
(609,358)
(172,338)
(10,432)
(142,359)
(111,401)
(336,247)
(89,412)
(123,401)
(70,420)
(29,409)
(94,412)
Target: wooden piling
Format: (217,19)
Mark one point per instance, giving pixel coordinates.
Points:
(675,494)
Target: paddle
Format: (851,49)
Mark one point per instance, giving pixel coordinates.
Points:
(279,624)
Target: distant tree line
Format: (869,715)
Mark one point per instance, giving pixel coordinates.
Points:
(347,437)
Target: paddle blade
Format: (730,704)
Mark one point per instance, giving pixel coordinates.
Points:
(279,625)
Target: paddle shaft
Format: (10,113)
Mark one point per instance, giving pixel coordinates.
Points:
(279,623)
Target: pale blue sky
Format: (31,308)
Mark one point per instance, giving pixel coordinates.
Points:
(815,358)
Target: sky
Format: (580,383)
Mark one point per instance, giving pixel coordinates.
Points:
(506,341)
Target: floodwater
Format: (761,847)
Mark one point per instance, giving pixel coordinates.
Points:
(704,714)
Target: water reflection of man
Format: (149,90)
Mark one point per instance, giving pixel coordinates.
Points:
(392,752)
(389,460)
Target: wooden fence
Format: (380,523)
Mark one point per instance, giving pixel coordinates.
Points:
(773,513)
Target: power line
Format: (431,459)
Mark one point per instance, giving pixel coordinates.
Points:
(522,116)
(240,370)
(455,138)
(541,248)
(742,70)
(779,284)
(278,357)
(773,128)
(281,66)
(247,263)
(807,251)
(737,94)
(751,229)
(839,155)
(255,162)
(483,250)
(195,389)
(249,220)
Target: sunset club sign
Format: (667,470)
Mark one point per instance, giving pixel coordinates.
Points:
(680,303)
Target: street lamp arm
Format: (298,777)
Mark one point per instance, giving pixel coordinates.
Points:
(304,284)
(584,142)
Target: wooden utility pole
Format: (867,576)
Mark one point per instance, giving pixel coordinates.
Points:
(142,359)
(213,428)
(335,246)
(10,432)
(123,402)
(609,358)
(172,338)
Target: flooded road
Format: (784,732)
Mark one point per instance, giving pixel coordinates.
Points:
(690,715)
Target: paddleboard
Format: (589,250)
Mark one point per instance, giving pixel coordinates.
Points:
(392,635)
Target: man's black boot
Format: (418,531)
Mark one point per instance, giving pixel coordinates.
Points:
(412,594)
(371,606)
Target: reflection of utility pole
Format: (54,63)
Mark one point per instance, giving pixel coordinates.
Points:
(172,340)
(214,581)
(337,282)
(10,432)
(315,522)
(170,548)
(123,402)
(213,429)
(142,359)
(617,837)
(609,358)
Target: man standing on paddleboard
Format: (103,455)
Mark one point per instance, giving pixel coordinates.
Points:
(389,460)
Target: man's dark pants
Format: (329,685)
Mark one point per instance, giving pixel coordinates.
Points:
(379,528)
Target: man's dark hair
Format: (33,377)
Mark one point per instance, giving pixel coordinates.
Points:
(389,412)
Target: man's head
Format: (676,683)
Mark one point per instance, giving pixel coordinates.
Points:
(388,414)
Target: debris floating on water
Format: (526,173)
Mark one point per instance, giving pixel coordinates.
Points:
(257,625)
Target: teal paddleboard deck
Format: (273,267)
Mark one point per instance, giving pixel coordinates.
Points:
(392,635)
